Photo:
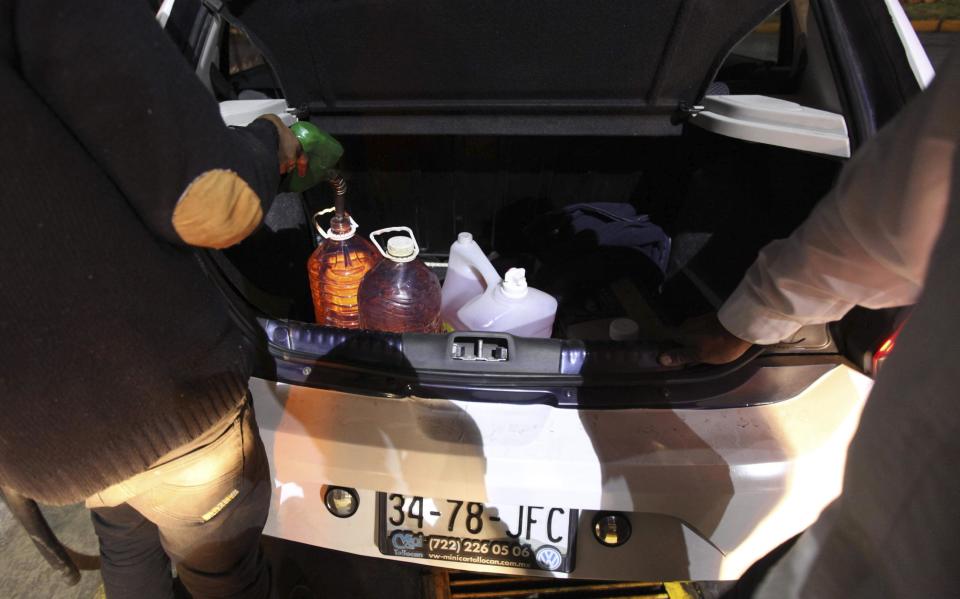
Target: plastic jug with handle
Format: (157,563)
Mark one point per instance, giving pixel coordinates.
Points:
(469,274)
(511,307)
(336,269)
(400,294)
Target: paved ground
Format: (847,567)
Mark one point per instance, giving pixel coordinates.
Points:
(939,45)
(23,573)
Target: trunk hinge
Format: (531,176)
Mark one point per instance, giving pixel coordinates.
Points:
(685,112)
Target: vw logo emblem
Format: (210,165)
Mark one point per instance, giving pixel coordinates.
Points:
(549,558)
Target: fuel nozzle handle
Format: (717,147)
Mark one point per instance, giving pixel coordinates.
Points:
(323,152)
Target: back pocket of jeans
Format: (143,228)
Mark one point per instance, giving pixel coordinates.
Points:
(198,486)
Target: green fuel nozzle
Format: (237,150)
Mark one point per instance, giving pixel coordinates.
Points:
(323,152)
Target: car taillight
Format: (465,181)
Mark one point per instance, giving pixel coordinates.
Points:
(880,356)
(867,337)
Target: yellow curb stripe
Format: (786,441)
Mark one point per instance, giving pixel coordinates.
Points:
(681,590)
(768,27)
(926,25)
(950,25)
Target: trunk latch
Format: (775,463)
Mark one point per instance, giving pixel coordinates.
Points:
(479,349)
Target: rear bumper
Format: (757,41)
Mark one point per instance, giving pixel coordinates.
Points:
(707,491)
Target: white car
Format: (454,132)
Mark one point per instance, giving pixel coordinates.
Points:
(573,456)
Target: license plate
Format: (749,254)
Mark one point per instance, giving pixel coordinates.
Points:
(524,536)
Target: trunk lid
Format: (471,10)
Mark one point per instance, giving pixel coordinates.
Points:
(499,67)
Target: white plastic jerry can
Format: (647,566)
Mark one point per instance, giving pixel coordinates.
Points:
(511,307)
(469,274)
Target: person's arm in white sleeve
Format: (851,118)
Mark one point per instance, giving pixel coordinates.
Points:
(867,243)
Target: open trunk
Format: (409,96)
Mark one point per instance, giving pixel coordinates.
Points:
(719,199)
(483,118)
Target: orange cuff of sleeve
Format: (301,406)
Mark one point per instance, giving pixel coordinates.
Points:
(218,209)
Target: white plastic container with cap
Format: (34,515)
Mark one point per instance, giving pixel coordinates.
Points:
(511,307)
(469,274)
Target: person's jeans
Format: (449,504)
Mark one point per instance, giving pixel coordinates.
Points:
(204,510)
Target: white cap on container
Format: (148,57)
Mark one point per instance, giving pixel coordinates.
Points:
(624,329)
(400,246)
(514,283)
(465,237)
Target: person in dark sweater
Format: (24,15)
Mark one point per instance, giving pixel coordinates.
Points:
(122,376)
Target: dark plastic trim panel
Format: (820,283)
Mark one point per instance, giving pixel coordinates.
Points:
(392,365)
(596,125)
